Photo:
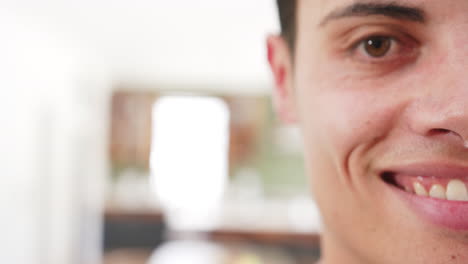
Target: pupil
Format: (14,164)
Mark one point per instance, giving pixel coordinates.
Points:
(378,46)
(376,43)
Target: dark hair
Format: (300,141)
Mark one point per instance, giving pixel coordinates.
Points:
(287,16)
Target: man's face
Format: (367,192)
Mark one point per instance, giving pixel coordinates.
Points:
(381,95)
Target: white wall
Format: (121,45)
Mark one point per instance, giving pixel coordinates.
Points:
(52,142)
(165,44)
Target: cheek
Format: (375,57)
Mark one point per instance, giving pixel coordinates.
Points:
(341,120)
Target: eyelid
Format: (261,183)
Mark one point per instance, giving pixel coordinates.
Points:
(359,45)
(361,41)
(402,45)
(361,32)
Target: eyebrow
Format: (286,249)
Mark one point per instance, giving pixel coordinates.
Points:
(391,10)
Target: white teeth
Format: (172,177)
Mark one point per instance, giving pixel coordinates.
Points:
(419,189)
(456,191)
(437,191)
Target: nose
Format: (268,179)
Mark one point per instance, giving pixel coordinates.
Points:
(441,109)
(442,117)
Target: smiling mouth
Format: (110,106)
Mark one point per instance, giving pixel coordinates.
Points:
(434,192)
(442,188)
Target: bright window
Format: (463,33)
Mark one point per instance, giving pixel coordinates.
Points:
(189,158)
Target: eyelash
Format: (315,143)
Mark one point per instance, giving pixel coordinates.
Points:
(401,49)
(359,47)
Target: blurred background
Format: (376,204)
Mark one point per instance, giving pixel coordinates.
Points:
(143,132)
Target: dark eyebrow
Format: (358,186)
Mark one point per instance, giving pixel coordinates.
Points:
(391,10)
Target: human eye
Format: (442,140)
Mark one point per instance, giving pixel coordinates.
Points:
(383,49)
(377,46)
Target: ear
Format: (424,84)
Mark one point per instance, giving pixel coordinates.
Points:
(281,65)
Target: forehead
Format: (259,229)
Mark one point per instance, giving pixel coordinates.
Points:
(315,10)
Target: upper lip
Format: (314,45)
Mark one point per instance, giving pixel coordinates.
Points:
(430,169)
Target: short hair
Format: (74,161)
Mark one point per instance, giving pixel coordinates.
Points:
(287,16)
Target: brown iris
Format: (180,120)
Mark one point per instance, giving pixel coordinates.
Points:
(377,46)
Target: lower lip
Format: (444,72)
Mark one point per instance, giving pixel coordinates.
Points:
(449,214)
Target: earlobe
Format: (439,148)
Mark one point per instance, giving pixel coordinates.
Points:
(280,61)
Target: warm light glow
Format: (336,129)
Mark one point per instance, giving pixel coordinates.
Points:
(189,158)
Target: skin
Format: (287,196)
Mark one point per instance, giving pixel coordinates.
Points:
(359,114)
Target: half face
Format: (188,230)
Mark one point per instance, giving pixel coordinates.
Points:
(380,90)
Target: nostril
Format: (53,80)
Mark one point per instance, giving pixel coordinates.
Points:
(443,131)
(438,131)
